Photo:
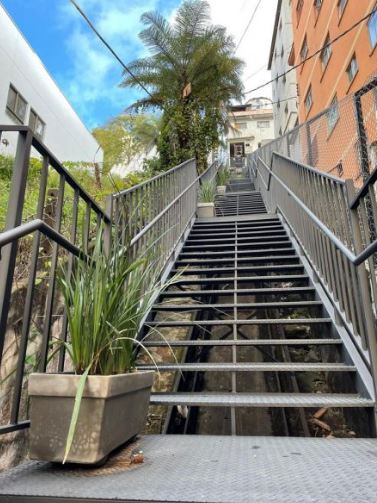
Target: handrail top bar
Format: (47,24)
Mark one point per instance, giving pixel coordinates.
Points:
(10,235)
(58,166)
(372,178)
(309,168)
(139,185)
(207,169)
(355,259)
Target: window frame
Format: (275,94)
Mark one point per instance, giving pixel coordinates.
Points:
(37,119)
(19,97)
(342,4)
(259,122)
(349,67)
(326,49)
(304,45)
(373,19)
(334,105)
(307,95)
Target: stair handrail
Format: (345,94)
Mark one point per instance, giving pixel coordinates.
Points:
(347,274)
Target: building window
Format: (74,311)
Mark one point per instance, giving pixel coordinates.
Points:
(341,6)
(309,99)
(16,104)
(36,124)
(242,125)
(333,114)
(318,5)
(326,52)
(299,6)
(352,68)
(263,124)
(304,49)
(372,27)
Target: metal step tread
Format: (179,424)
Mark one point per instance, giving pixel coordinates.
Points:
(240,291)
(242,305)
(268,321)
(244,342)
(251,259)
(277,278)
(231,252)
(251,367)
(262,399)
(217,270)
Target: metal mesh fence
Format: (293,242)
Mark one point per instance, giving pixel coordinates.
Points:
(341,140)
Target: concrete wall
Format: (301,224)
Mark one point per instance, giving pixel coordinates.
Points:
(285,109)
(65,134)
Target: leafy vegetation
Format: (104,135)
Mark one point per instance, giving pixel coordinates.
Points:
(191,75)
(207,192)
(223,176)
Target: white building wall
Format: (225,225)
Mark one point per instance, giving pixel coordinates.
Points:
(285,109)
(253,134)
(65,135)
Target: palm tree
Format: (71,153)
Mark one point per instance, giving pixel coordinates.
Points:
(191,75)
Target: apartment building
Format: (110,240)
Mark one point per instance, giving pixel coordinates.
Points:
(284,90)
(30,96)
(251,126)
(335,73)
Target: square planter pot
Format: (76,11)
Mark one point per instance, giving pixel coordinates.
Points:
(113,410)
(205,210)
(221,189)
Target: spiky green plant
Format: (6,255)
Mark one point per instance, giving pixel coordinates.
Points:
(207,192)
(107,297)
(223,176)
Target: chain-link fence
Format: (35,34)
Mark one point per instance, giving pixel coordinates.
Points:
(341,140)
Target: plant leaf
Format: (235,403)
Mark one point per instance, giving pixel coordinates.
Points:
(75,413)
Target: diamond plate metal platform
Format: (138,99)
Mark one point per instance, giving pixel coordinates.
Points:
(215,470)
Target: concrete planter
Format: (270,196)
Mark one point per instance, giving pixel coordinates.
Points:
(206,210)
(113,410)
(221,189)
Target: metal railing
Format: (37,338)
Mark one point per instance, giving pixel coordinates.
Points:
(332,224)
(153,214)
(340,140)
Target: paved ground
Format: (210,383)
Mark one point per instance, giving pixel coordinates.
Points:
(214,469)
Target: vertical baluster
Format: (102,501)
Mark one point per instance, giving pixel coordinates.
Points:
(73,236)
(52,280)
(29,298)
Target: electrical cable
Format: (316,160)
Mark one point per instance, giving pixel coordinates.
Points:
(311,56)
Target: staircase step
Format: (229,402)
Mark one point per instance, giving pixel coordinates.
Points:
(241,225)
(242,305)
(284,258)
(251,253)
(241,291)
(224,246)
(244,342)
(315,400)
(220,270)
(244,279)
(250,367)
(258,321)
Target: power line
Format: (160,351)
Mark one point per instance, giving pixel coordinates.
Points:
(311,56)
(248,25)
(93,28)
(256,72)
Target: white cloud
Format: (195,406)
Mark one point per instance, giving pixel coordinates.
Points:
(94,74)
(92,81)
(255,47)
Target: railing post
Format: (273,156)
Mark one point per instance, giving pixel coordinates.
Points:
(309,144)
(366,301)
(362,136)
(14,218)
(108,225)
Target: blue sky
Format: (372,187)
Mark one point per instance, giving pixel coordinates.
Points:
(82,67)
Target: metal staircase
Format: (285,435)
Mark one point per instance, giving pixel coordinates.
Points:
(240,274)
